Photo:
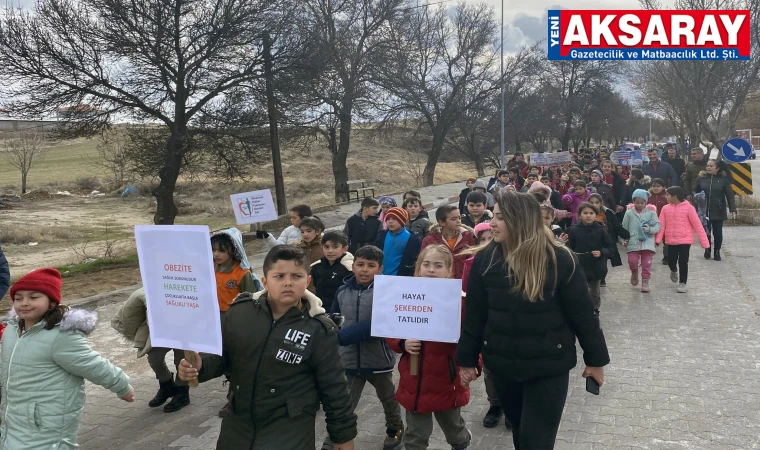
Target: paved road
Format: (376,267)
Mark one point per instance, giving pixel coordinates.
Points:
(685,374)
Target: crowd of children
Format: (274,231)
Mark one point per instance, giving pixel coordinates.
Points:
(315,299)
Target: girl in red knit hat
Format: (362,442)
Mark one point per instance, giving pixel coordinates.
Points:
(45,360)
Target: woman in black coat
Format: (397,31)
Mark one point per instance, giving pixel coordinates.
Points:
(526,304)
(719,194)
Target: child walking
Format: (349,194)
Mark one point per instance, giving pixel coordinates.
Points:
(642,225)
(281,354)
(367,359)
(291,233)
(400,246)
(590,241)
(311,239)
(131,321)
(329,273)
(233,272)
(233,276)
(439,392)
(658,199)
(609,220)
(679,223)
(450,233)
(46,359)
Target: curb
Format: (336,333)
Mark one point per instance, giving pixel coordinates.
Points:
(106,298)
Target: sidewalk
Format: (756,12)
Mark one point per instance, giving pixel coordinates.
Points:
(684,375)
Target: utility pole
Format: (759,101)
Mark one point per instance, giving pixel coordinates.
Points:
(501,50)
(279,180)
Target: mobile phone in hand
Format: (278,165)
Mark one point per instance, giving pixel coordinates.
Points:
(592,386)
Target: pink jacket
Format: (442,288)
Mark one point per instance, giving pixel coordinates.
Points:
(679,222)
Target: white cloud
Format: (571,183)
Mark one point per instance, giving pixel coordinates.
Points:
(526,22)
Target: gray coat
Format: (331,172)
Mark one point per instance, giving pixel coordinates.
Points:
(360,352)
(419,225)
(719,194)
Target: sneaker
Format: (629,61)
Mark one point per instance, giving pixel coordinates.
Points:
(644,285)
(492,417)
(664,261)
(469,439)
(394,439)
(603,283)
(717,256)
(674,277)
(682,288)
(707,253)
(634,278)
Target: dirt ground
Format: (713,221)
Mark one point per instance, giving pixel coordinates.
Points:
(44,228)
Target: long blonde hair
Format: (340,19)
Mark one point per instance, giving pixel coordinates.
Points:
(448,258)
(529,247)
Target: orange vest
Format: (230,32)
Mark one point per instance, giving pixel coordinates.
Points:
(228,286)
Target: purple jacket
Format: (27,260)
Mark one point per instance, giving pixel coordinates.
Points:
(573,200)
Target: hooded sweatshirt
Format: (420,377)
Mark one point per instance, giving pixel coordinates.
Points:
(482,185)
(236,276)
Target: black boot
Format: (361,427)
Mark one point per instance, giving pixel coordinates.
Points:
(166,391)
(179,401)
(708,252)
(492,417)
(717,255)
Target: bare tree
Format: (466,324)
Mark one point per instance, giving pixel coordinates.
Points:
(438,59)
(573,80)
(22,150)
(170,62)
(347,40)
(704,97)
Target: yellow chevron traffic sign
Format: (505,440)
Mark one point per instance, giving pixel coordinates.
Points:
(742,175)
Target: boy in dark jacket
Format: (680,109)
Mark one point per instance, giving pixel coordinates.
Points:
(418,222)
(362,227)
(329,273)
(280,351)
(591,242)
(367,359)
(477,202)
(400,246)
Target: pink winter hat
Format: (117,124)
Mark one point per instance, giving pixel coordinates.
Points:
(479,228)
(541,188)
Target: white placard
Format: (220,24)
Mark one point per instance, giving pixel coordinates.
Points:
(550,159)
(428,309)
(253,207)
(177,269)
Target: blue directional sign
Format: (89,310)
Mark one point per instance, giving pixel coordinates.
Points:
(737,150)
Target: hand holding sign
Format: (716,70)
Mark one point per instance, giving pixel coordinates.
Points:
(188,371)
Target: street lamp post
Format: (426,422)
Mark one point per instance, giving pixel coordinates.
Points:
(501,50)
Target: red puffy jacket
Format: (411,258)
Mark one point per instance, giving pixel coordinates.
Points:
(465,240)
(2,330)
(437,387)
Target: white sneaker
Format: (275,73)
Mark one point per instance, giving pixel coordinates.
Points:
(682,288)
(674,277)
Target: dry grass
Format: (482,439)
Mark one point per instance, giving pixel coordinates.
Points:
(23,235)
